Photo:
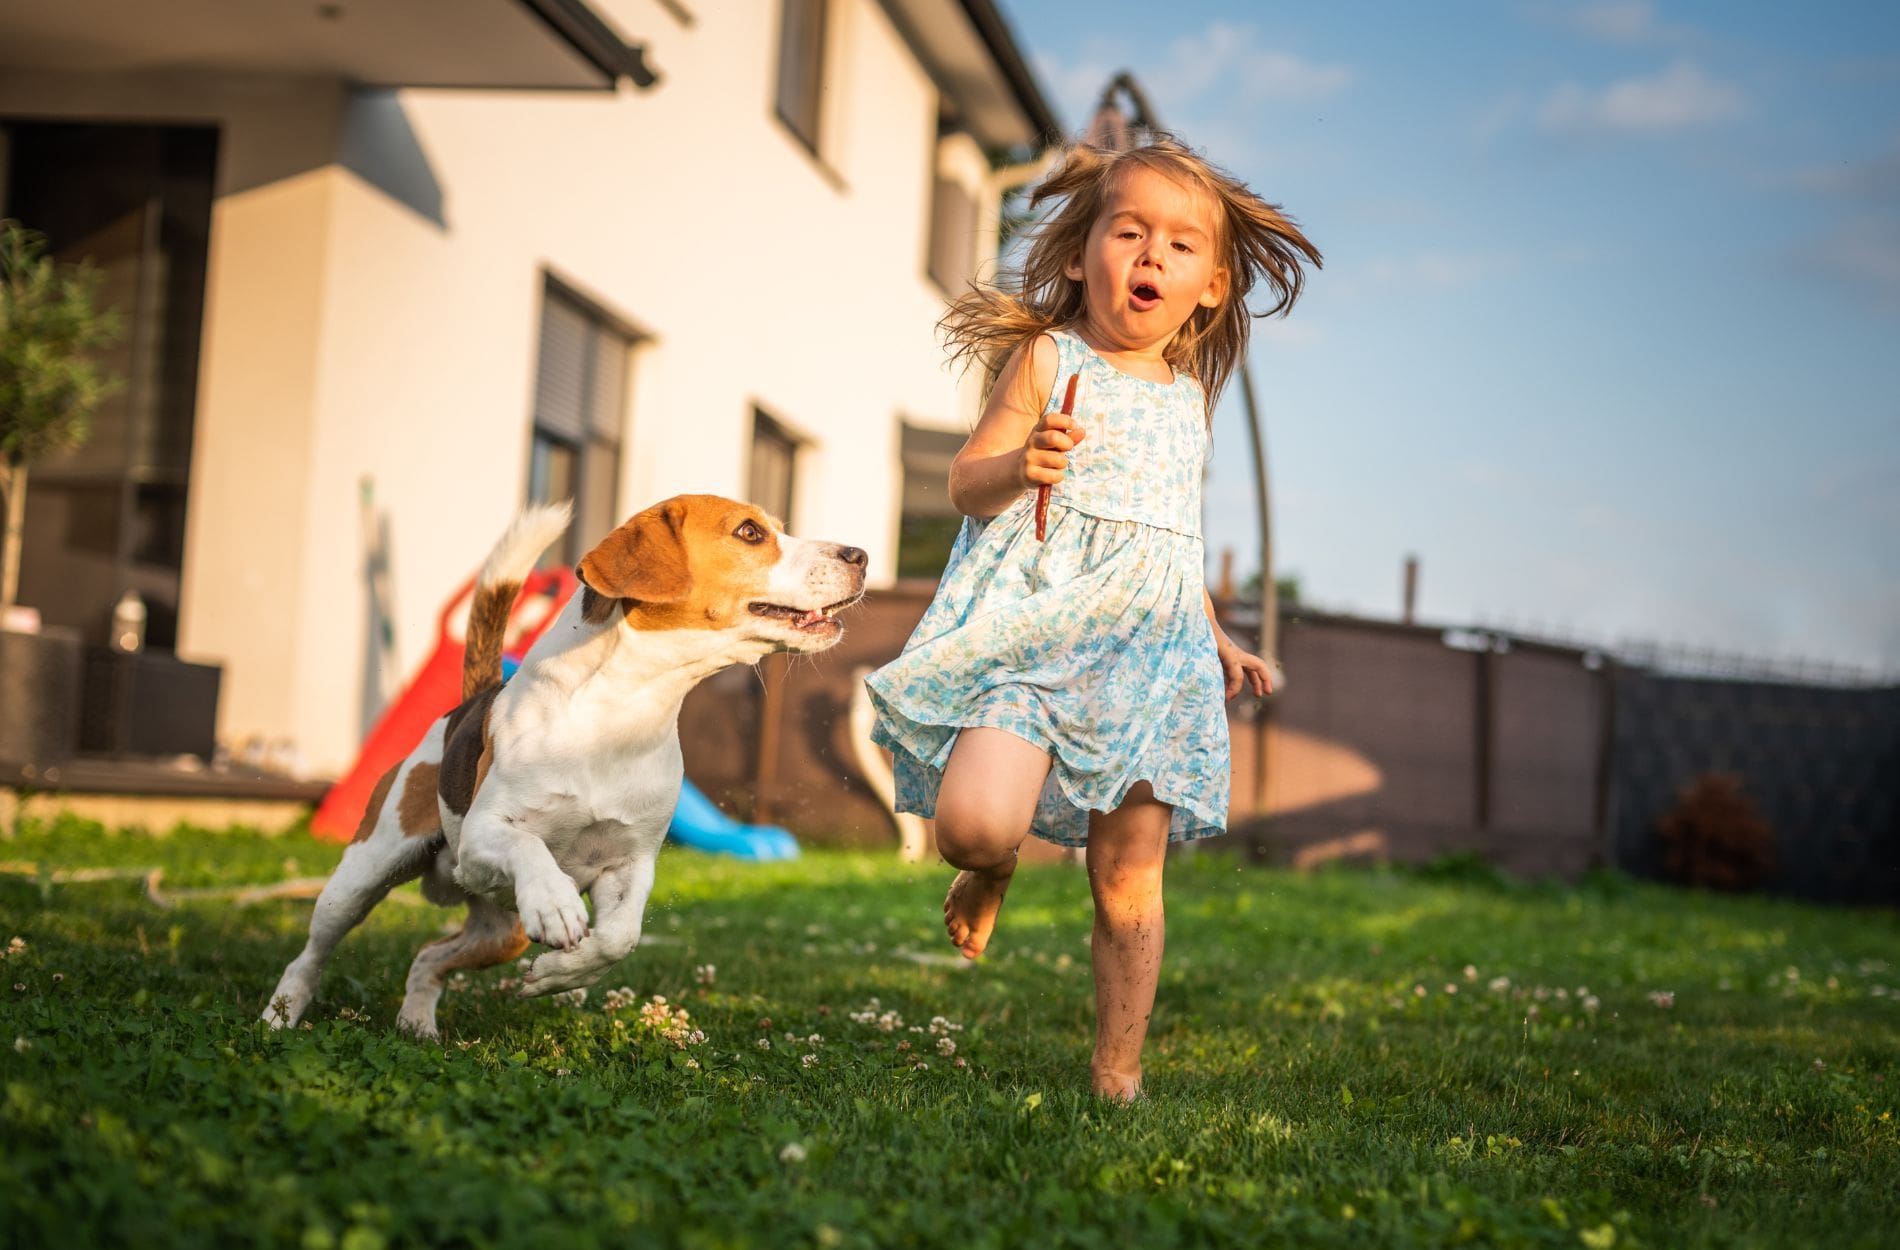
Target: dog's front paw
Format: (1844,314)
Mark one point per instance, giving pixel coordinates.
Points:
(551,910)
(559,971)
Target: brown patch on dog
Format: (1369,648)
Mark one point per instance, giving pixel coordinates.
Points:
(487,628)
(644,560)
(466,751)
(487,756)
(500,950)
(377,798)
(418,814)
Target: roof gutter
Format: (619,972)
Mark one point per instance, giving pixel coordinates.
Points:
(1001,42)
(596,42)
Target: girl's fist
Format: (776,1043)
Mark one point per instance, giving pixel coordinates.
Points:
(1046,455)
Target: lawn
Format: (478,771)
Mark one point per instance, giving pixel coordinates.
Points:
(1363,1058)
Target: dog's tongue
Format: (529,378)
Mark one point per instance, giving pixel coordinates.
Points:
(811,618)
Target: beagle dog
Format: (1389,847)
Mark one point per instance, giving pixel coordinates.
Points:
(563,781)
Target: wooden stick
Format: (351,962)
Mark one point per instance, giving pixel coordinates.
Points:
(1042,492)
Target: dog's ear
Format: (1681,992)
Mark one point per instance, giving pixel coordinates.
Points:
(644,560)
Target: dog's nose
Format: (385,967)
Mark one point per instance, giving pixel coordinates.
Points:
(854,555)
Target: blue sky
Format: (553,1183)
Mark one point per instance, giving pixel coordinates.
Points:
(1609,328)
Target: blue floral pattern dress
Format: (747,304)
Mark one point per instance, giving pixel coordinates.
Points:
(1093,645)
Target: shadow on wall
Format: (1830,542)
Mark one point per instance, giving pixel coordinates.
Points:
(378,145)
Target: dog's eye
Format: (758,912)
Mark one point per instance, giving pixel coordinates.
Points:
(750,532)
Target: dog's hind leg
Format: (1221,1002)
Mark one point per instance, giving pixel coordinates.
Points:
(382,858)
(489,936)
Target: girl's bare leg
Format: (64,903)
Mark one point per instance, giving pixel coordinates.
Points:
(1127,849)
(984,808)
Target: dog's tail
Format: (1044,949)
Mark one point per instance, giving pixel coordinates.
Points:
(507,566)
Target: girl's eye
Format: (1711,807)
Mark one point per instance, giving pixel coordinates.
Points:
(750,532)
(1182,247)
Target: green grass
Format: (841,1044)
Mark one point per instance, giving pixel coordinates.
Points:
(1312,1079)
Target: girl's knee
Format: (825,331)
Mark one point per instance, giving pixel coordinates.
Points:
(972,833)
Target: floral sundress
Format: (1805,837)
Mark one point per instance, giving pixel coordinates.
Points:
(1093,645)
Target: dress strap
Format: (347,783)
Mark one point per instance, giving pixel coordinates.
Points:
(1071,355)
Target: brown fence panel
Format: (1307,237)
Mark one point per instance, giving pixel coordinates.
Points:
(1546,734)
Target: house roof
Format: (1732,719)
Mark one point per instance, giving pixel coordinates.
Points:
(970,52)
(541,44)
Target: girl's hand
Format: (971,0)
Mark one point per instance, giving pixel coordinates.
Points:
(1242,669)
(1046,454)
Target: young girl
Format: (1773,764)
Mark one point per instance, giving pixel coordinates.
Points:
(1071,686)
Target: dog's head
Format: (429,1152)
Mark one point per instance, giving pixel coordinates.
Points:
(700,562)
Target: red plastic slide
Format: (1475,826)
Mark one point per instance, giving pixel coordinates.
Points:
(434,690)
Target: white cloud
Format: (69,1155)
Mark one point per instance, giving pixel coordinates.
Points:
(1202,73)
(1680,97)
(1625,21)
(1862,254)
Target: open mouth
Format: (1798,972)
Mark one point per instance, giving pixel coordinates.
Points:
(806,620)
(1144,295)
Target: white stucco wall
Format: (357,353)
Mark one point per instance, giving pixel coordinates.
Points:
(350,334)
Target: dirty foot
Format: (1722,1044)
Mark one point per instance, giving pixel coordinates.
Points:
(969,909)
(1116,1086)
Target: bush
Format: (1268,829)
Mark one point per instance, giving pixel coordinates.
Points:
(1714,836)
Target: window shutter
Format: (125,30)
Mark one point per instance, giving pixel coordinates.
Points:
(560,388)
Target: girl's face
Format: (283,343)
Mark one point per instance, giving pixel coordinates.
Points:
(1152,258)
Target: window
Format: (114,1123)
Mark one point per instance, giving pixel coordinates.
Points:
(774,466)
(580,396)
(929,524)
(801,64)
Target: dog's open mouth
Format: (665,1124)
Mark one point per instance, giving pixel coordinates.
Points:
(809,620)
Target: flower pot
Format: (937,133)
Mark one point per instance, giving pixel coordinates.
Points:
(39,704)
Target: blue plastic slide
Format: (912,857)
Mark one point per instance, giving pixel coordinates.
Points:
(703,827)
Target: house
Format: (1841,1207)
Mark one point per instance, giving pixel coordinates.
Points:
(391,270)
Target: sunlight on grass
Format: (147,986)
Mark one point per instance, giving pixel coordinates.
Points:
(1347,1058)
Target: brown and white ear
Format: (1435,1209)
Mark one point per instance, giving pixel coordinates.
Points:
(644,560)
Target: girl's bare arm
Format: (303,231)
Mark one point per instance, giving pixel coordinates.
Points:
(1014,447)
(1238,667)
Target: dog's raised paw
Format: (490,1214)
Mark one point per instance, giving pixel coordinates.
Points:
(551,912)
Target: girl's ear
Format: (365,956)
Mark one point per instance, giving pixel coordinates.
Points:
(1072,268)
(1216,291)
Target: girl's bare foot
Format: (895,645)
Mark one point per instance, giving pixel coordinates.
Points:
(1116,1086)
(969,909)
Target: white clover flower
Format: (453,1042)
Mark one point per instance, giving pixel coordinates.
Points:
(946,1046)
(21,1045)
(693,1064)
(1451,987)
(1500,984)
(1591,1002)
(1471,972)
(791,1152)
(705,974)
(1662,998)
(1418,991)
(764,1043)
(815,1038)
(808,1060)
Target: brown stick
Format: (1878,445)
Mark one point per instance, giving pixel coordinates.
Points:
(1042,492)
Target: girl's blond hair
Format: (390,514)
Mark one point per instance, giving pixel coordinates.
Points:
(1257,241)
